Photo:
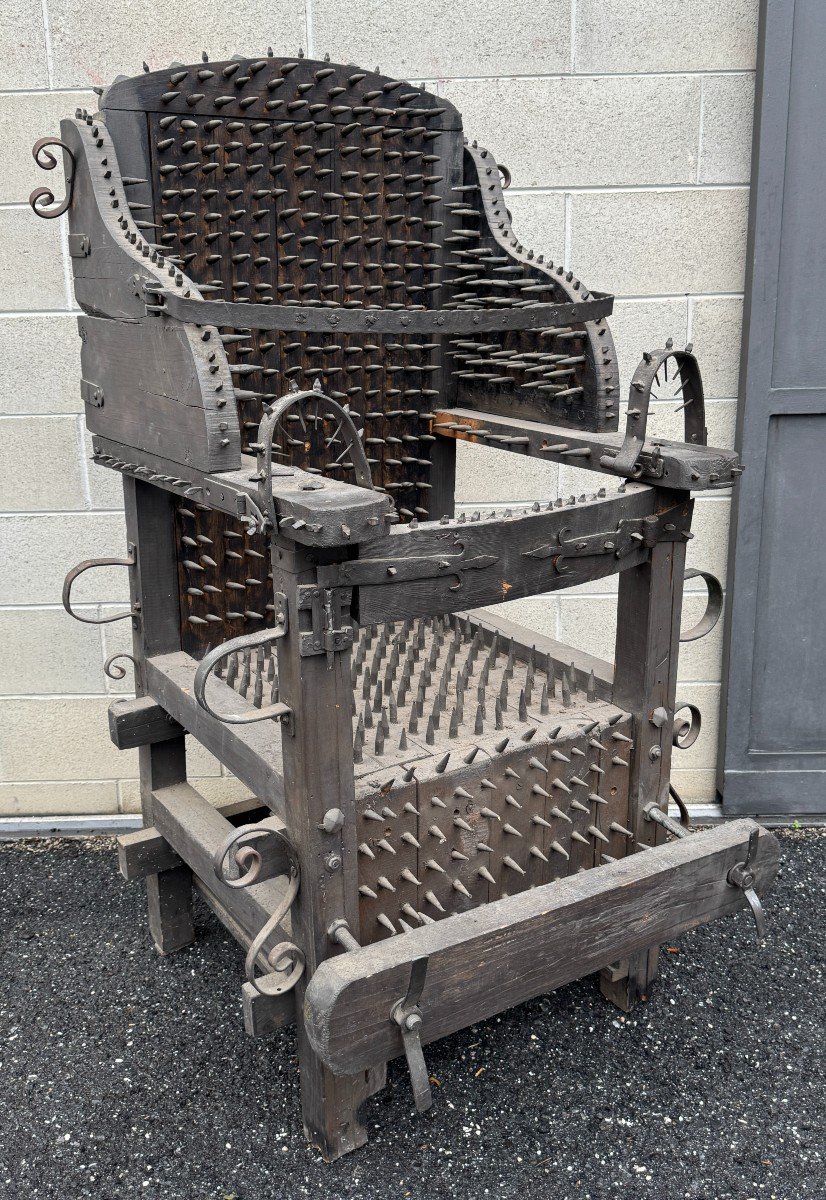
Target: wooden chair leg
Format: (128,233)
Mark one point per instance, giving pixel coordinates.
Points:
(169,893)
(648,638)
(330,1103)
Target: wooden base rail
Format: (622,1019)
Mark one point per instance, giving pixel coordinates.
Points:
(481,962)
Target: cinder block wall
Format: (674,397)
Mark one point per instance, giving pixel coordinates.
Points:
(626,125)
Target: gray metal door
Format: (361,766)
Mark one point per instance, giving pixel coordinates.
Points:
(773,752)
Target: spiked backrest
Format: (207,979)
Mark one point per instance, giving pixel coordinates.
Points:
(299,182)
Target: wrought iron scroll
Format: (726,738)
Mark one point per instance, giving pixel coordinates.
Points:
(113,670)
(43,196)
(285,960)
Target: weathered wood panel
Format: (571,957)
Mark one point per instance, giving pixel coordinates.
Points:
(486,960)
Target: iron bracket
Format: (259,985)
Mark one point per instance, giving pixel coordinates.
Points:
(249,641)
(408,1016)
(87,565)
(742,875)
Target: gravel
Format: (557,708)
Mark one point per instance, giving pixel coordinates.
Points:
(125,1075)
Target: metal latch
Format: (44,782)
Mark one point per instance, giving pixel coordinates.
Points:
(408,1016)
(331,627)
(742,875)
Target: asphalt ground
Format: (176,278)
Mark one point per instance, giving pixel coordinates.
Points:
(126,1075)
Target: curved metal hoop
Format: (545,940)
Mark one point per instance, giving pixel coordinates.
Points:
(640,396)
(345,427)
(43,196)
(714,607)
(505,175)
(286,960)
(209,662)
(116,672)
(686,732)
(87,565)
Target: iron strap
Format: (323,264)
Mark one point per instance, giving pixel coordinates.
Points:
(373,320)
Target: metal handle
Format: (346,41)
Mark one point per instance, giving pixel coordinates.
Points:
(249,641)
(86,565)
(714,606)
(742,876)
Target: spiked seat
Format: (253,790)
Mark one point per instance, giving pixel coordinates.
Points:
(300,288)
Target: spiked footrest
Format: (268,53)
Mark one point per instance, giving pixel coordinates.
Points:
(479,963)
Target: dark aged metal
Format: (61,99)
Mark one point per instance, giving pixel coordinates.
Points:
(299,289)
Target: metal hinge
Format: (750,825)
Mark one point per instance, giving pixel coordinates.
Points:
(331,628)
(90,393)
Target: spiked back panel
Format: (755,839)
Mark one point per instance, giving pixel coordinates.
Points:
(307,183)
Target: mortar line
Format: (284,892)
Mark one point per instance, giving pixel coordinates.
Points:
(47,38)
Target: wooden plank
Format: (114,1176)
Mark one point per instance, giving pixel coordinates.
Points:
(139,722)
(145,851)
(440,568)
(680,465)
(251,752)
(196,831)
(490,958)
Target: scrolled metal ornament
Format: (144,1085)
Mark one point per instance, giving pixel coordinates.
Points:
(113,671)
(42,197)
(285,960)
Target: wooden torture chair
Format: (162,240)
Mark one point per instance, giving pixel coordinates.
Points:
(299,289)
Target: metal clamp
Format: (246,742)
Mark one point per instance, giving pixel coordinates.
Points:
(87,565)
(628,460)
(408,1016)
(249,641)
(714,607)
(742,875)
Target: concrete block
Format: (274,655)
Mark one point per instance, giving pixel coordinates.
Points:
(438,40)
(90,48)
(625,35)
(638,325)
(539,221)
(709,549)
(75,798)
(38,551)
(46,651)
(105,486)
(485,475)
(716,328)
(41,357)
(60,738)
(651,243)
(695,787)
(216,788)
(572,131)
(31,267)
(23,120)
(23,45)
(40,464)
(725,142)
